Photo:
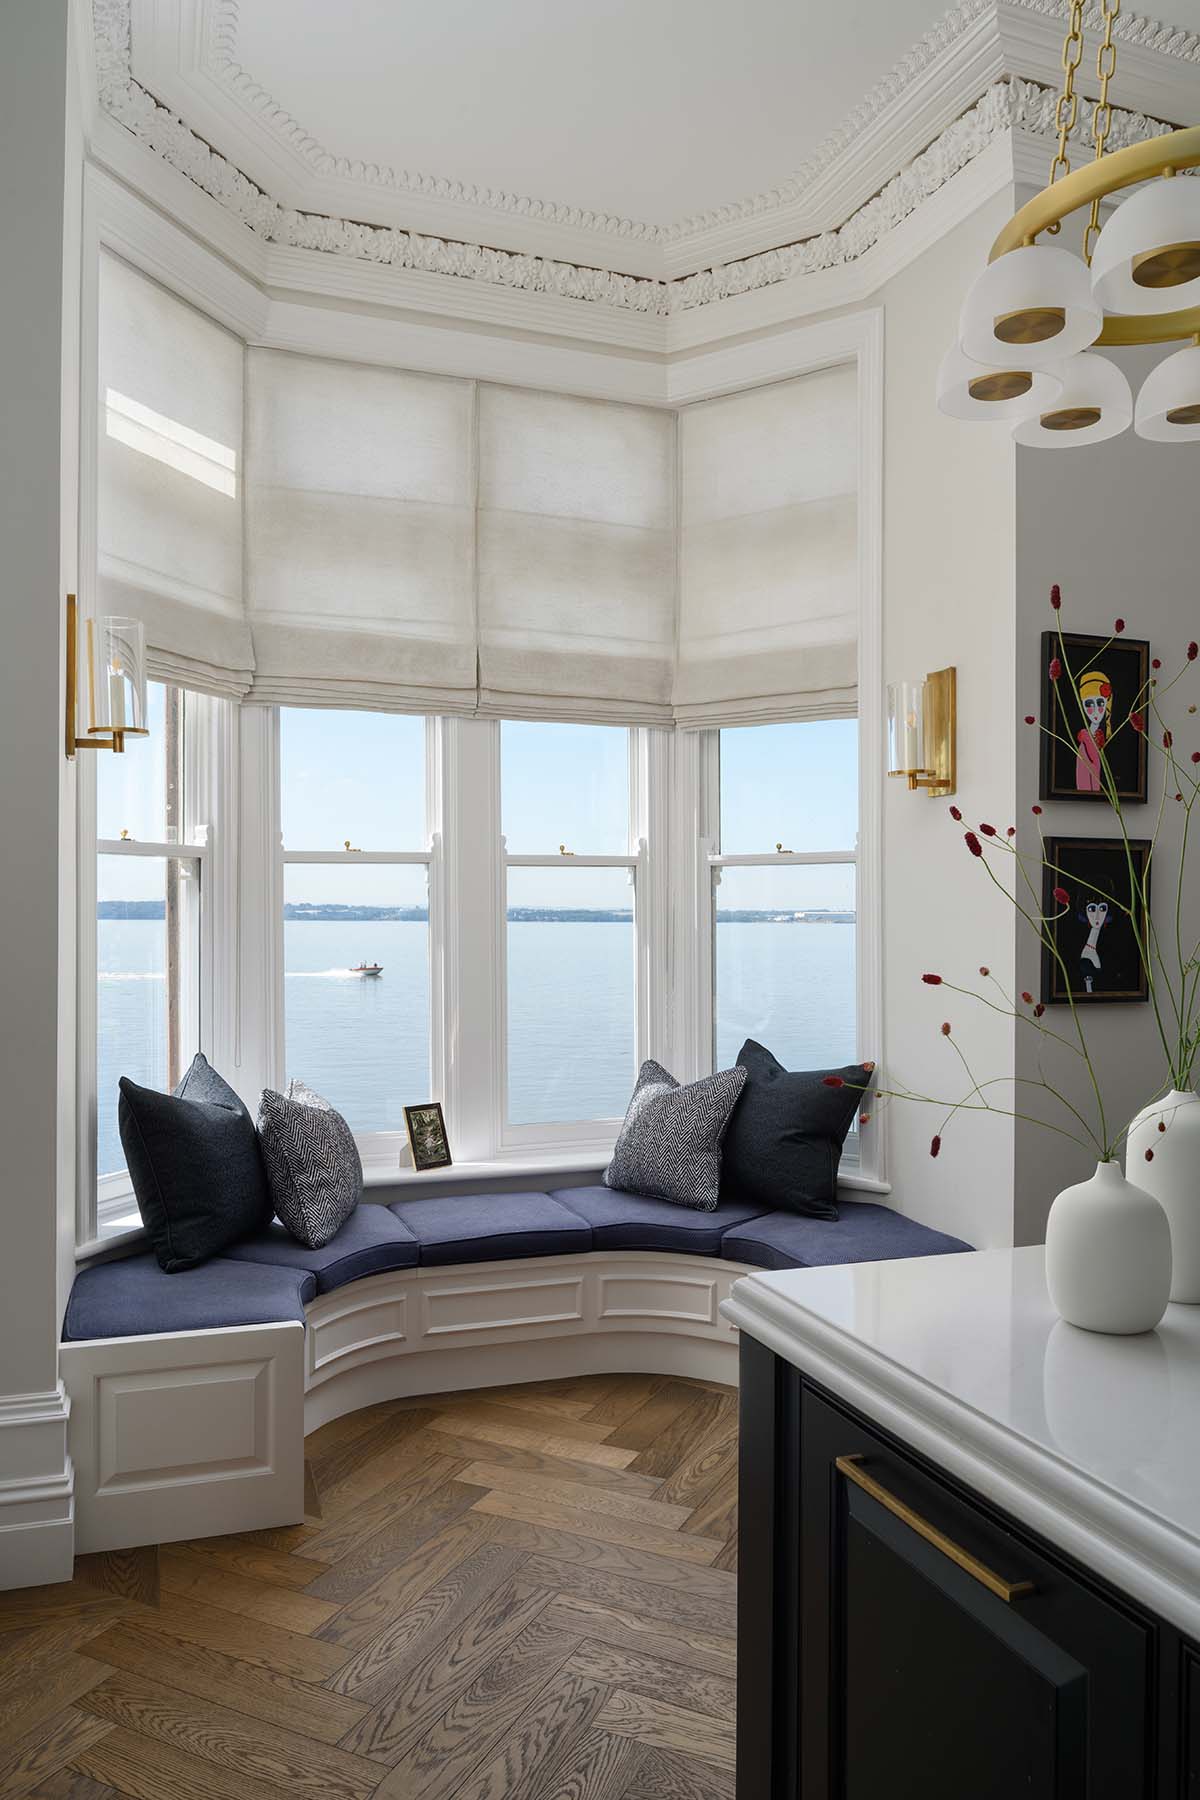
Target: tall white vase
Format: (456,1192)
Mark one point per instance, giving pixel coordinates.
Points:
(1108,1254)
(1173,1177)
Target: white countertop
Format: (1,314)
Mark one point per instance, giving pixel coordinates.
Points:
(1093,1441)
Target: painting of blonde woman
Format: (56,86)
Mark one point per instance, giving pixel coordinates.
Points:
(1090,687)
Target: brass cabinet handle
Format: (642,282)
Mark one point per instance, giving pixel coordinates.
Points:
(851,1467)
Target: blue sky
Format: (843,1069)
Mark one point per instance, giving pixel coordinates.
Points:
(362,776)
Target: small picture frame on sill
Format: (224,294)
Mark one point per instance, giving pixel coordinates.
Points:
(427,1140)
(1096,931)
(1085,711)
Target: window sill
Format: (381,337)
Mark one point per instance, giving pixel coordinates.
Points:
(559,1162)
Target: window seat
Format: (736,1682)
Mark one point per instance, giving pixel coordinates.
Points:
(270,1278)
(191,1394)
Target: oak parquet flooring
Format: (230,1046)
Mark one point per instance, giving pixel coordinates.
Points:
(481,1717)
(247,1746)
(518,1593)
(228,1680)
(394,1543)
(670,1727)
(667,1775)
(557,1468)
(382,1665)
(598,1526)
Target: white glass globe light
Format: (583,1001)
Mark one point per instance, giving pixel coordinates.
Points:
(981,391)
(1147,257)
(1096,402)
(1032,308)
(1168,407)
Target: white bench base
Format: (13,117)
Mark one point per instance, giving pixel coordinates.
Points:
(201,1433)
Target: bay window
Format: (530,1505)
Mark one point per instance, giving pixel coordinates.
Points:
(356,914)
(145,941)
(784,893)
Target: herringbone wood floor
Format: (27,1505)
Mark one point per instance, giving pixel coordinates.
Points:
(516,1594)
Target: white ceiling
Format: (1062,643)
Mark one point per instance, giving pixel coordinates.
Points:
(647,109)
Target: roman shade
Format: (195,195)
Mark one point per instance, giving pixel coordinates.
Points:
(169,500)
(768,588)
(576,523)
(360,535)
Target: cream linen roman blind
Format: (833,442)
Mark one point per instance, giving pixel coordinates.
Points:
(768,588)
(169,487)
(576,547)
(360,535)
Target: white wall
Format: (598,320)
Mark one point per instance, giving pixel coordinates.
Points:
(35,1489)
(1117,525)
(947,598)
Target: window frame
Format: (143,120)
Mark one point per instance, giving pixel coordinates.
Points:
(106,1213)
(378,1149)
(716,862)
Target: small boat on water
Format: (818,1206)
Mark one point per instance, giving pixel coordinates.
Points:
(367,969)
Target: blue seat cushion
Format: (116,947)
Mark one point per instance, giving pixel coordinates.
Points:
(462,1228)
(134,1298)
(622,1221)
(371,1240)
(863,1233)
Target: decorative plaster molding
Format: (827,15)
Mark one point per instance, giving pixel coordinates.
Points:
(1007,105)
(220,60)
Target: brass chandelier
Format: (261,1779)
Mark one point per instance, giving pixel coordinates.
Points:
(1025,352)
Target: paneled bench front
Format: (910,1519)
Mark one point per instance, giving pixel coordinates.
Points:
(191,1393)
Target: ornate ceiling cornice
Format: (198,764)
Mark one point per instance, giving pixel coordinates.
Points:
(1008,104)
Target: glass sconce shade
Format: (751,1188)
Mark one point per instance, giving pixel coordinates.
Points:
(115,676)
(1168,407)
(1096,402)
(1147,257)
(984,391)
(1030,309)
(906,727)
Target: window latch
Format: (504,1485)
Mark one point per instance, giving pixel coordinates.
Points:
(563,851)
(782,852)
(354,849)
(125,837)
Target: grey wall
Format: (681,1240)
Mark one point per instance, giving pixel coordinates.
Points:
(1118,526)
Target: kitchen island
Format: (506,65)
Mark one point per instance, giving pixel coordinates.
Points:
(970,1540)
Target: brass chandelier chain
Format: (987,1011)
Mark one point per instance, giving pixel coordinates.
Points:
(1106,65)
(1066,112)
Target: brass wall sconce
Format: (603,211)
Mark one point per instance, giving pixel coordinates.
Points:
(115,678)
(923,732)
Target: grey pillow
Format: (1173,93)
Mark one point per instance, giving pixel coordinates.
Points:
(670,1143)
(194,1164)
(314,1171)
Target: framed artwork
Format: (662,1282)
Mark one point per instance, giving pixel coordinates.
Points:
(1103,680)
(427,1138)
(1095,935)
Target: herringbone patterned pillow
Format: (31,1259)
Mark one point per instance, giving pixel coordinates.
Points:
(670,1143)
(314,1171)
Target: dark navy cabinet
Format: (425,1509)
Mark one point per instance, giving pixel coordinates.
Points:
(901,1639)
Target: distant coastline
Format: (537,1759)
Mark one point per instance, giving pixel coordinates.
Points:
(328,913)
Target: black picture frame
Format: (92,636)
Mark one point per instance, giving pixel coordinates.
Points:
(1104,951)
(1124,665)
(427,1140)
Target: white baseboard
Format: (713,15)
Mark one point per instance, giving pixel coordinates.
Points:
(37,1488)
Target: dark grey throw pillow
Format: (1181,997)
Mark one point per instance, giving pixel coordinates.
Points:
(194,1163)
(784,1145)
(313,1167)
(670,1143)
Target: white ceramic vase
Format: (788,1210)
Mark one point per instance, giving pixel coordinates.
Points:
(1108,1255)
(1173,1177)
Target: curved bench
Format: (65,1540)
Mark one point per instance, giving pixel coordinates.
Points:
(192,1393)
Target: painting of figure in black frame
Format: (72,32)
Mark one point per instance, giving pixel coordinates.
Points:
(1099,931)
(1085,715)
